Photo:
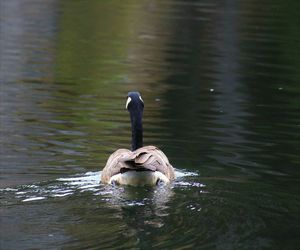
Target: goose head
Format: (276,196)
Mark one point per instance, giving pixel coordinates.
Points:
(135,106)
(134,102)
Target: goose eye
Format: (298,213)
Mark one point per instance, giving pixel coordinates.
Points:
(127,102)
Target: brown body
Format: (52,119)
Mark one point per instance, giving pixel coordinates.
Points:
(145,161)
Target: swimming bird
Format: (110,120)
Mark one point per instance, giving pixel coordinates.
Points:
(141,165)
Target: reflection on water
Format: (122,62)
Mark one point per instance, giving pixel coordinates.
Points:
(220,81)
(150,203)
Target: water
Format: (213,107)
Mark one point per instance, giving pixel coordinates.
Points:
(220,81)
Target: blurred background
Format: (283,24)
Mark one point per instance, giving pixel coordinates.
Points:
(220,81)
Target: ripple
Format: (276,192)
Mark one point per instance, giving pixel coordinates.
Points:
(87,182)
(34,199)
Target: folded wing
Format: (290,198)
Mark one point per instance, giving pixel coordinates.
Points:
(145,158)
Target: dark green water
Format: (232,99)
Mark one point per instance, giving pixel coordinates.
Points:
(221,85)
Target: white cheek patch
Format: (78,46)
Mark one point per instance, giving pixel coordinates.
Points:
(141,98)
(127,102)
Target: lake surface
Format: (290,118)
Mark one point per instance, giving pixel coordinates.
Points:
(221,85)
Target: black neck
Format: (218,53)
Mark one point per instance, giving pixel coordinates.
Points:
(137,129)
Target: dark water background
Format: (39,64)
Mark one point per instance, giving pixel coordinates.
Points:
(221,85)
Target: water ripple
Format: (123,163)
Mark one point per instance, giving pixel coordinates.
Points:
(88,182)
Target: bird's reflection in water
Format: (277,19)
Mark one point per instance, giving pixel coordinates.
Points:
(141,208)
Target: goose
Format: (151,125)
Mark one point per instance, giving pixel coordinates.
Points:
(139,166)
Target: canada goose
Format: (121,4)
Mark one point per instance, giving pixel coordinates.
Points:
(143,165)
